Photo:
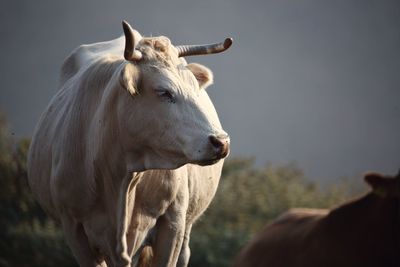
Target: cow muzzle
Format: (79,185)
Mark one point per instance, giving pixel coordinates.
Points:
(220,145)
(218,148)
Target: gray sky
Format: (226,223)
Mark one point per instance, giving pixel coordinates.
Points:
(314,82)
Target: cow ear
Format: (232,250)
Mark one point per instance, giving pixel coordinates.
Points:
(373,179)
(378,183)
(129,78)
(203,74)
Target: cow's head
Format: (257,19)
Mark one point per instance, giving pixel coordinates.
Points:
(384,186)
(169,118)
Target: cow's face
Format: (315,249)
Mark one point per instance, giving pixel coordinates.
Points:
(170,118)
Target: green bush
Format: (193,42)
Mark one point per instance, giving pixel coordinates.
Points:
(28,236)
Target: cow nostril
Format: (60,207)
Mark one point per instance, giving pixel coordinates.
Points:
(216,142)
(220,145)
(219,142)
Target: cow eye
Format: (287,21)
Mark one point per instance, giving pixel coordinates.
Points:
(164,93)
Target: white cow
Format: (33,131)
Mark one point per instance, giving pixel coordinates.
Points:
(128,152)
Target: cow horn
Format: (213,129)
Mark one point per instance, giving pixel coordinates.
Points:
(132,38)
(193,50)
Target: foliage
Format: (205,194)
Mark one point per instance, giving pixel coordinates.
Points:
(247,198)
(28,236)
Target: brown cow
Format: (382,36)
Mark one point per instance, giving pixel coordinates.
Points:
(363,232)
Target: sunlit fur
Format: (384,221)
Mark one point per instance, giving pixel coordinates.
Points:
(106,127)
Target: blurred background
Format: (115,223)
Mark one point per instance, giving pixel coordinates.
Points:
(309,93)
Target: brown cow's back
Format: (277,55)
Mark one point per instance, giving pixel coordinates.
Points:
(281,238)
(364,232)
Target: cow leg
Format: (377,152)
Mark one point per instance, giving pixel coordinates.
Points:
(138,255)
(136,243)
(145,252)
(169,239)
(78,242)
(168,243)
(125,205)
(184,256)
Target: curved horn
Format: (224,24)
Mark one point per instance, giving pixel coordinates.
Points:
(132,38)
(193,50)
